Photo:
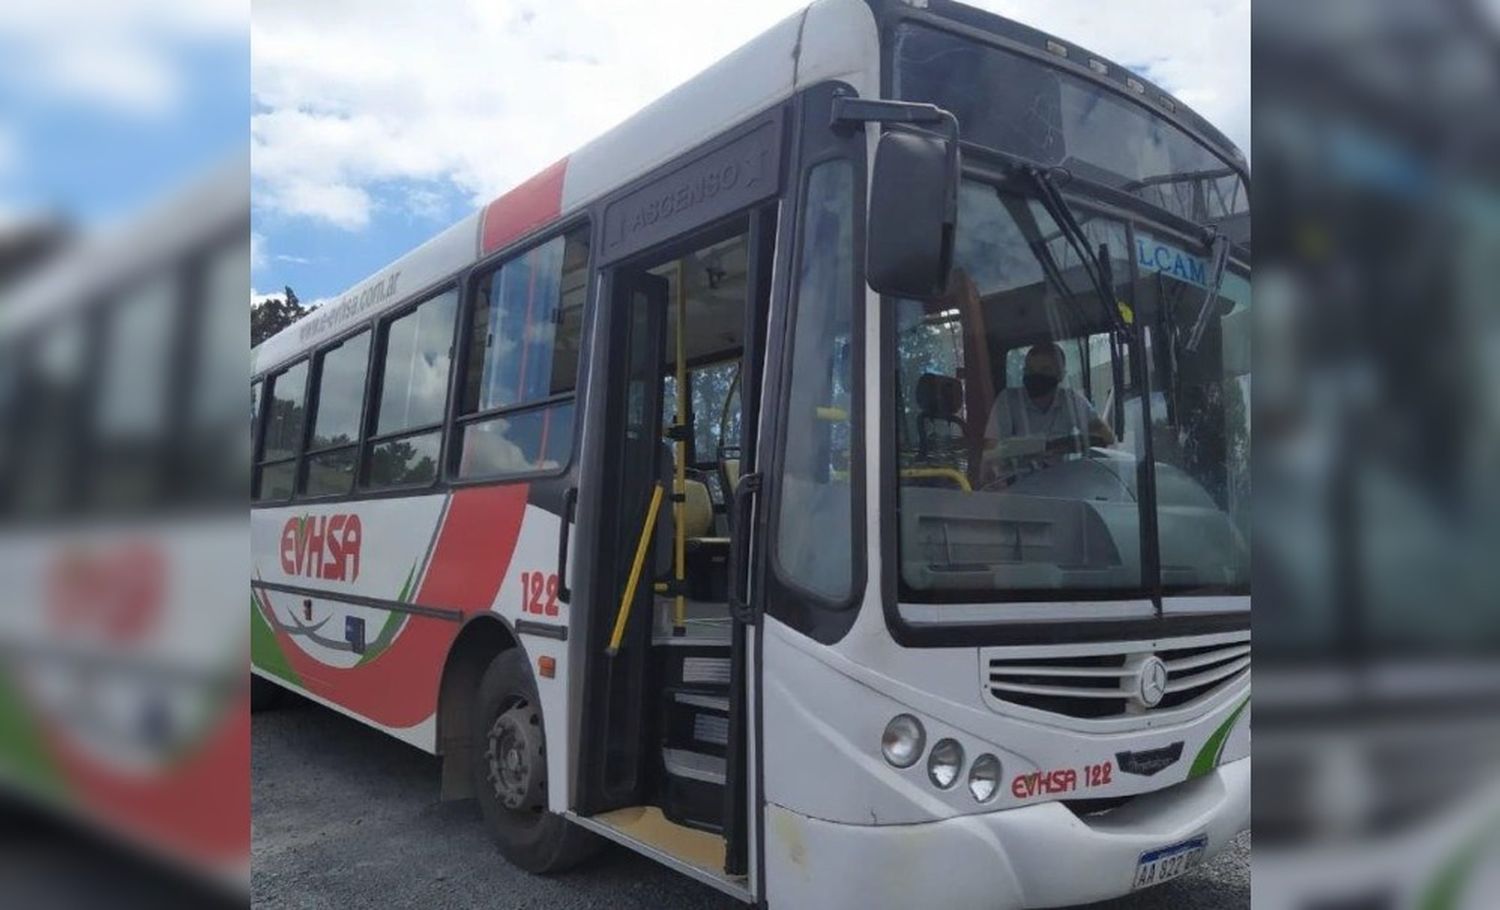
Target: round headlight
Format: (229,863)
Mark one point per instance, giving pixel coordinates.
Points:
(903,740)
(946,761)
(984,777)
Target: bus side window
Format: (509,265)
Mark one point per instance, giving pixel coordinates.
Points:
(129,425)
(255,398)
(416,357)
(525,327)
(282,437)
(333,448)
(814,545)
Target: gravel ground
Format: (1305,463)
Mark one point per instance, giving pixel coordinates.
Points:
(345,816)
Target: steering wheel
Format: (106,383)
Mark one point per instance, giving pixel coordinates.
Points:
(1013,467)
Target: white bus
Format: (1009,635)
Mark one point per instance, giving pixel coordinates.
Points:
(832,482)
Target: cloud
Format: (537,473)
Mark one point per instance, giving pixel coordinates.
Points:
(257,249)
(362,105)
(107,53)
(257,298)
(353,99)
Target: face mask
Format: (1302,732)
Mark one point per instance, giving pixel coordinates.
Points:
(1039,385)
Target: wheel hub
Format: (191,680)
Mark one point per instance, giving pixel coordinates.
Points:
(514,753)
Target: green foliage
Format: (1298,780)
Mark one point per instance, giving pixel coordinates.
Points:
(274,314)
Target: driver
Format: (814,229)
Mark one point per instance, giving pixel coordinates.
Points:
(1043,409)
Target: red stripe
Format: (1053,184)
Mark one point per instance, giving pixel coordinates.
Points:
(194,807)
(474,548)
(399,688)
(523,209)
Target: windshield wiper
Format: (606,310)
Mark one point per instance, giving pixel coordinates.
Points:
(1096,265)
(1218,258)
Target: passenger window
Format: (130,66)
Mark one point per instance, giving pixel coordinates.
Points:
(254,409)
(282,437)
(813,541)
(211,438)
(52,391)
(284,419)
(341,391)
(137,360)
(405,461)
(417,355)
(525,329)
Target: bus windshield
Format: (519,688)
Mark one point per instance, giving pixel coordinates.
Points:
(1010,102)
(1021,407)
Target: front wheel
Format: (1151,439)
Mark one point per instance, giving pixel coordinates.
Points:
(510,772)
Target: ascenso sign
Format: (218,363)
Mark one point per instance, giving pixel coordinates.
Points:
(322,546)
(1153,255)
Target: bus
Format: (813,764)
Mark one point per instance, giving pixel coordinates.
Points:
(831,482)
(124,708)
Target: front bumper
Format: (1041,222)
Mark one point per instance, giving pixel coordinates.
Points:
(1035,856)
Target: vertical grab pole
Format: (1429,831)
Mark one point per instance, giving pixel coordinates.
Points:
(679,479)
(635,573)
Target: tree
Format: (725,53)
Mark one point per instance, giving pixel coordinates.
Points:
(273,314)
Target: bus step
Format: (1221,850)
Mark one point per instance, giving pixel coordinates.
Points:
(694,789)
(696,721)
(701,667)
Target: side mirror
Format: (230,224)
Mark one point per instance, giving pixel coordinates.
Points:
(913,213)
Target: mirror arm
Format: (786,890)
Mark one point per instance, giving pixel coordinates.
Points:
(849,112)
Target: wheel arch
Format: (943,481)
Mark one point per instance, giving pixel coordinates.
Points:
(483,637)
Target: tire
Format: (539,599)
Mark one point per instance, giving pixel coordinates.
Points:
(510,773)
(264,695)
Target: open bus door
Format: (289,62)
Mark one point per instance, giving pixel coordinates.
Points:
(665,721)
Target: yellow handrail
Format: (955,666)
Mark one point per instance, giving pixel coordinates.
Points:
(952,474)
(635,573)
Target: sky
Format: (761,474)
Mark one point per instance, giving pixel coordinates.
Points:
(374,124)
(106,105)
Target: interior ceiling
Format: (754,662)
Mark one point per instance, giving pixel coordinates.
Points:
(715,281)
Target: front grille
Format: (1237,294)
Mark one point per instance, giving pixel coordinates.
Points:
(1104,681)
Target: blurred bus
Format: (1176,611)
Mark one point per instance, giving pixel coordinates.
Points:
(122,480)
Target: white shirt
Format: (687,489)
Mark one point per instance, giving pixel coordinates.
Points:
(1014,414)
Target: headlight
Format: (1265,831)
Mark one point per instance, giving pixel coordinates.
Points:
(984,777)
(903,740)
(946,761)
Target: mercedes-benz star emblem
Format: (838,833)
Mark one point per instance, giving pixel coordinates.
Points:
(1151,684)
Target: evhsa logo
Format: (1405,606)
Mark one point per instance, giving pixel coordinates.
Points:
(322,546)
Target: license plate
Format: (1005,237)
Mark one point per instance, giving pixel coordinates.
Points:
(1166,863)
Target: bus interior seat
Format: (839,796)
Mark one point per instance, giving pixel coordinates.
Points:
(939,400)
(705,552)
(729,472)
(697,511)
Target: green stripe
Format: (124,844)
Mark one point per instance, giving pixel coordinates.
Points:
(1208,756)
(393,621)
(22,752)
(265,650)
